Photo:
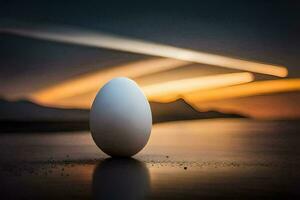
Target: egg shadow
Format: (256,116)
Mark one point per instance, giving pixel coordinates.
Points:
(120,178)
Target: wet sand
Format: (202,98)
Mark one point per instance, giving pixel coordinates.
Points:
(232,158)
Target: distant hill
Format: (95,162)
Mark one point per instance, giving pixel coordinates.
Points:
(26,116)
(25,110)
(181,110)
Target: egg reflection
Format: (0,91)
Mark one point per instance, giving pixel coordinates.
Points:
(120,178)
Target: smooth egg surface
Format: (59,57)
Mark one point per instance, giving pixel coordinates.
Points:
(120,118)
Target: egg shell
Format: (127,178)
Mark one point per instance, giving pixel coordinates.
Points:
(120,118)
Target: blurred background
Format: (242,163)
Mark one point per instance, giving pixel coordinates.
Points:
(59,54)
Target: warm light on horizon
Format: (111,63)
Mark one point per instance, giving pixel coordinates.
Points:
(95,80)
(161,92)
(245,90)
(172,90)
(132,45)
(203,96)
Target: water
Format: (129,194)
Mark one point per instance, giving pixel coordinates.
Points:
(232,158)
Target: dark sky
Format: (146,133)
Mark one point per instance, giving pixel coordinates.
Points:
(266,31)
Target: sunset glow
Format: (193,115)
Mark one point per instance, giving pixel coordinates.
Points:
(245,90)
(81,92)
(94,81)
(169,91)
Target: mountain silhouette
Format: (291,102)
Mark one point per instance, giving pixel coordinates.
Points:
(24,110)
(181,110)
(26,116)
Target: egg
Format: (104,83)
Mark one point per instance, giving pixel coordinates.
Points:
(120,118)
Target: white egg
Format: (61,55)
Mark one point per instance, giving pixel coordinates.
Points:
(120,118)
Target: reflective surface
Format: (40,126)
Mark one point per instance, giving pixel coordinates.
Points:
(183,160)
(124,178)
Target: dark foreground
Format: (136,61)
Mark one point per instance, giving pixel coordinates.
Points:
(233,158)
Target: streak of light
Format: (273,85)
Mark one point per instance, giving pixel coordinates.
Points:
(163,92)
(120,43)
(245,90)
(95,80)
(172,90)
